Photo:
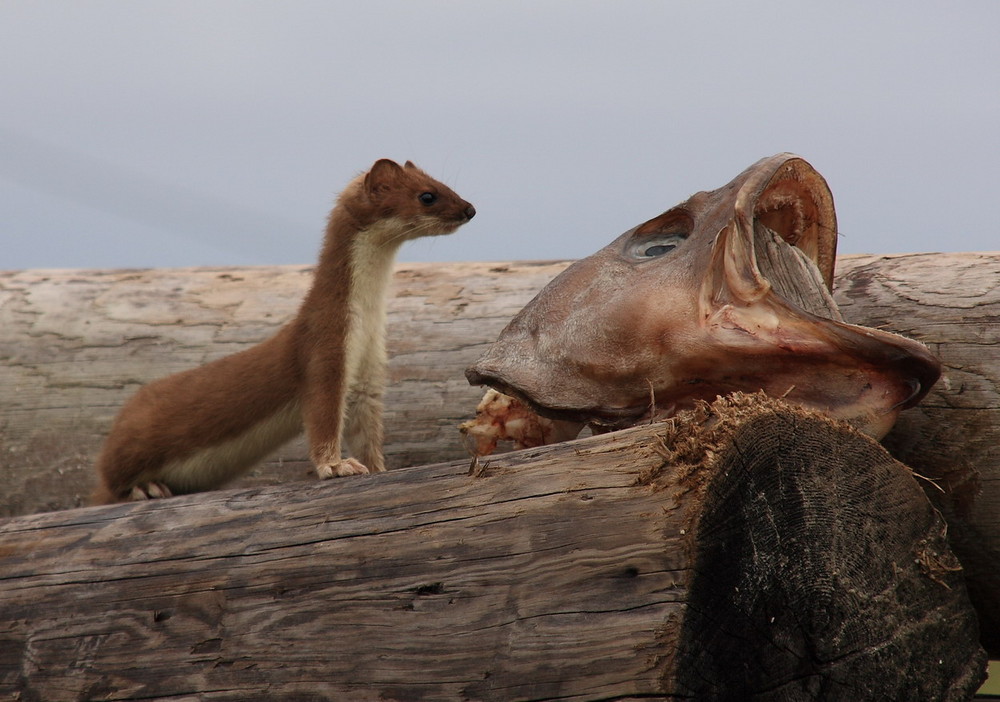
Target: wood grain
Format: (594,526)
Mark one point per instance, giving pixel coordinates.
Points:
(75,344)
(951,302)
(566,572)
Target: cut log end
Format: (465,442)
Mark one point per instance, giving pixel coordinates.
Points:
(822,572)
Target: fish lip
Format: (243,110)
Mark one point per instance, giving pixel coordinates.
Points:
(610,418)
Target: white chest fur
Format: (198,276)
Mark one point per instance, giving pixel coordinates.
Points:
(373,255)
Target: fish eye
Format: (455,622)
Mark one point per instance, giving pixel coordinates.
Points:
(655,246)
(427,198)
(658,250)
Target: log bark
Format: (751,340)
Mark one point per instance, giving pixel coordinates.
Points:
(75,344)
(752,551)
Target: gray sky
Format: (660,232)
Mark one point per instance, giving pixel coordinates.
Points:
(210,132)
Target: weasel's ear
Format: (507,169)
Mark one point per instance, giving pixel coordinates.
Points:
(409,164)
(382,175)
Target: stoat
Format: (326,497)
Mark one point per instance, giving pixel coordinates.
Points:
(324,371)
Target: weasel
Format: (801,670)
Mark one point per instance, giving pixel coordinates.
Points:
(325,371)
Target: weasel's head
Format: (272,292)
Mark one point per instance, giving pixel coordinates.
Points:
(406,202)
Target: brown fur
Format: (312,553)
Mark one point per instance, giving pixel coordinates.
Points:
(196,429)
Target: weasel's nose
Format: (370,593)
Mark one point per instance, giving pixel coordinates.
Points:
(470,212)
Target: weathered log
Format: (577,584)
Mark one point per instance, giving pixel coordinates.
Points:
(752,551)
(75,344)
(951,303)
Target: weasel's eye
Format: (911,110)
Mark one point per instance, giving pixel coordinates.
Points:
(427,198)
(655,246)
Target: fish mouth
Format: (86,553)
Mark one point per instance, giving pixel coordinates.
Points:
(607,418)
(871,402)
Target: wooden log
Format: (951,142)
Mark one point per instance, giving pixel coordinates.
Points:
(951,303)
(75,344)
(751,551)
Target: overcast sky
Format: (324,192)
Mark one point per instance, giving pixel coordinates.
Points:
(208,132)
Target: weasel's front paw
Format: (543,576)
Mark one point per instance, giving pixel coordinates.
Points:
(149,491)
(348,466)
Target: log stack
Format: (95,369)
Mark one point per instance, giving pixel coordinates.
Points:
(75,344)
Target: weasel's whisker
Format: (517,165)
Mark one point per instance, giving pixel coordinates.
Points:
(418,230)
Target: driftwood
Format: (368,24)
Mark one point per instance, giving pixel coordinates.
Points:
(951,303)
(75,344)
(751,551)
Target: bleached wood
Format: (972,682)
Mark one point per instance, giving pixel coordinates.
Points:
(590,570)
(75,344)
(951,302)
